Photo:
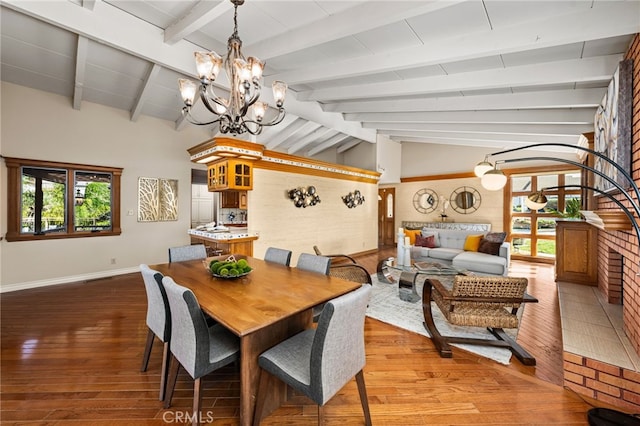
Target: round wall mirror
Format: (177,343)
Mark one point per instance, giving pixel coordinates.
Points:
(465,200)
(425,200)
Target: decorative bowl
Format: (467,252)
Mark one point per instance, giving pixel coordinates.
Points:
(231,260)
(229,277)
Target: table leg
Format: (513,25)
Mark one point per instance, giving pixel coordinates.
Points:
(384,276)
(407,287)
(251,346)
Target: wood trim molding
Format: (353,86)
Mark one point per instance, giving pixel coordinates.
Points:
(461,175)
(278,161)
(216,148)
(438,177)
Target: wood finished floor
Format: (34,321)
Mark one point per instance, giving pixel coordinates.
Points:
(71,355)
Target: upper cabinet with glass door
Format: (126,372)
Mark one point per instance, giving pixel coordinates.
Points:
(230,174)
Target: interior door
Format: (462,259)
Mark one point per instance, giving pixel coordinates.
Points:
(386,216)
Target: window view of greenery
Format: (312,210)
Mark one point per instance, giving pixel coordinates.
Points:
(92,201)
(43,200)
(52,200)
(44,206)
(533,232)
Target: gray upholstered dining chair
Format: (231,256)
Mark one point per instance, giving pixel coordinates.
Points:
(320,361)
(278,255)
(158,321)
(190,252)
(195,345)
(314,263)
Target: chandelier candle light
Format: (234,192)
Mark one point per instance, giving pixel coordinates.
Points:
(245,77)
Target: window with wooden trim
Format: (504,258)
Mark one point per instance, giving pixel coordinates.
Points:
(533,233)
(50,200)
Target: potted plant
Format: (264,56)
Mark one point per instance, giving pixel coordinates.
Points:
(571,209)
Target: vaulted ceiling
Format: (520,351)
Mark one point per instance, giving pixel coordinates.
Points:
(474,73)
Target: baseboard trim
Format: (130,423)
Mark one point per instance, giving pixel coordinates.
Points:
(67,280)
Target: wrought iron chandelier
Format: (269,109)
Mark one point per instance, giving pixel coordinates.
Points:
(245,77)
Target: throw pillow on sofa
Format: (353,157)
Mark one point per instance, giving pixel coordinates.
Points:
(489,247)
(411,233)
(472,242)
(426,232)
(496,237)
(429,241)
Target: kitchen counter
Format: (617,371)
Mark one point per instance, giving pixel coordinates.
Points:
(235,241)
(232,234)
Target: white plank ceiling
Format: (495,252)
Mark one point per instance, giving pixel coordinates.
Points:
(474,73)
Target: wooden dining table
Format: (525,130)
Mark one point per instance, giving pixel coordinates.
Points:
(263,308)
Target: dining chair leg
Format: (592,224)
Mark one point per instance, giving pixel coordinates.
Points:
(173,377)
(165,371)
(362,390)
(263,385)
(147,350)
(320,415)
(197,398)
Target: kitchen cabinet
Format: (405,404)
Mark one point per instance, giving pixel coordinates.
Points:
(233,199)
(576,252)
(230,174)
(228,243)
(201,205)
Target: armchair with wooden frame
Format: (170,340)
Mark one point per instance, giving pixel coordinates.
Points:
(351,272)
(335,258)
(490,302)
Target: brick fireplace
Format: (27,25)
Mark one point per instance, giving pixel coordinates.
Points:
(619,284)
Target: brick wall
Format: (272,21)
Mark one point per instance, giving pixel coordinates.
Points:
(602,381)
(624,243)
(618,257)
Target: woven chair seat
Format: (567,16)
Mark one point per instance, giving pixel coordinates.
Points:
(481,312)
(478,316)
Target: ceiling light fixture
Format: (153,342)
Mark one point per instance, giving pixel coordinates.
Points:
(245,77)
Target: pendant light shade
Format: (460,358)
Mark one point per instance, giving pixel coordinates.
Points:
(483,167)
(536,201)
(493,180)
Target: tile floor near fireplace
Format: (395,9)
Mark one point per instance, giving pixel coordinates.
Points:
(593,328)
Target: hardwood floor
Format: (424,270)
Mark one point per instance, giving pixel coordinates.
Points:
(71,354)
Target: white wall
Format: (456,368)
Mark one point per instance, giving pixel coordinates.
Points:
(44,126)
(390,160)
(440,159)
(362,155)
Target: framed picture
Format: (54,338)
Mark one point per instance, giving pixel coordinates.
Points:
(157,199)
(612,136)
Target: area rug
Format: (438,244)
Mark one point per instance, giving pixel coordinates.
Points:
(386,306)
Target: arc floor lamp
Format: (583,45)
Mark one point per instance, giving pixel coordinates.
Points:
(494,179)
